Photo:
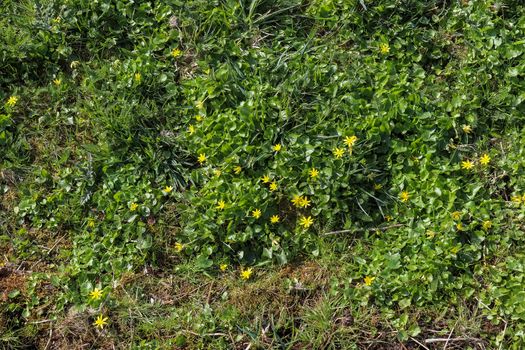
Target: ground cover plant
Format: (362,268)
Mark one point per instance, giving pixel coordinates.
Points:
(286,174)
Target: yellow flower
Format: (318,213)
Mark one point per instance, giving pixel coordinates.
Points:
(176,53)
(91,223)
(100,322)
(485,159)
(516,199)
(277,147)
(297,201)
(133,206)
(467,165)
(265,179)
(304,202)
(350,140)
(487,224)
(273,186)
(246,274)
(384,48)
(431,234)
(404,196)
(338,152)
(201,158)
(95,294)
(313,173)
(368,280)
(377,187)
(274,219)
(459,226)
(256,213)
(467,129)
(221,205)
(388,217)
(237,170)
(57,82)
(217,172)
(179,247)
(191,129)
(456,215)
(223,267)
(306,221)
(12,101)
(168,189)
(198,118)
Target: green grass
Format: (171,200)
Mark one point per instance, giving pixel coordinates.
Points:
(123,125)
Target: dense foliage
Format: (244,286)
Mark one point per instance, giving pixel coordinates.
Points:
(234,135)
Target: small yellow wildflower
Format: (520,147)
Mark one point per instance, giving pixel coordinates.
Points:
(404,196)
(12,101)
(467,165)
(516,199)
(459,226)
(133,206)
(431,234)
(246,274)
(313,173)
(57,82)
(273,186)
(95,294)
(338,153)
(487,224)
(467,129)
(456,215)
(223,267)
(176,53)
(297,201)
(199,118)
(388,217)
(274,219)
(277,147)
(350,140)
(256,213)
(221,205)
(191,129)
(265,179)
(368,280)
(201,158)
(484,160)
(100,322)
(179,247)
(91,223)
(217,172)
(306,222)
(168,189)
(237,170)
(304,202)
(377,187)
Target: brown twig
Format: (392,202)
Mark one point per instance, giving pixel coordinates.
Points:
(438,340)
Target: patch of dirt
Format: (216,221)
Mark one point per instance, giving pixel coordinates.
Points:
(11,280)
